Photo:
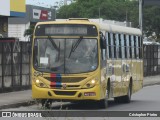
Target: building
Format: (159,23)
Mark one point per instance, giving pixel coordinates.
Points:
(10,8)
(34,14)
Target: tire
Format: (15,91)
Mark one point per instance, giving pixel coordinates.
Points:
(118,99)
(103,103)
(127,98)
(108,91)
(46,103)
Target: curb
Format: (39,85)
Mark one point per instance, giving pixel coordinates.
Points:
(151,84)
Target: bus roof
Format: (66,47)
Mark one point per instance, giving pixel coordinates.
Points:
(68,21)
(102,26)
(119,29)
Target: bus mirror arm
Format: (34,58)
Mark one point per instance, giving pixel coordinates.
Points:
(29,47)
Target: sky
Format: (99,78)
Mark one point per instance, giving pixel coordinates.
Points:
(43,3)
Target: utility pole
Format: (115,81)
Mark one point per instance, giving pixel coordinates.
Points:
(99,10)
(140,15)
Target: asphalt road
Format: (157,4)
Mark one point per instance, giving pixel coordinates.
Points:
(147,99)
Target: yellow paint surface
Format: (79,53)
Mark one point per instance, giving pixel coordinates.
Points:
(18,5)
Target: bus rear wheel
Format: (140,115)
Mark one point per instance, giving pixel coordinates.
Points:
(126,98)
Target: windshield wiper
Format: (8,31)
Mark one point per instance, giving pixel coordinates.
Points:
(74,47)
(53,43)
(55,46)
(59,51)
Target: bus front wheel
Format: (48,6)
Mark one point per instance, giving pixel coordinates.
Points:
(103,103)
(47,103)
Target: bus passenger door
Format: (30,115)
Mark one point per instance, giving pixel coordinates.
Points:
(103,65)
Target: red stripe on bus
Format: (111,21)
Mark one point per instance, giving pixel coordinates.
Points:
(53,77)
(53,84)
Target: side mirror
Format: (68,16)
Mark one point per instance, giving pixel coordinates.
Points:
(102,41)
(30,40)
(103,46)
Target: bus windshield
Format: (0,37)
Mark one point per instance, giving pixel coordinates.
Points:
(78,55)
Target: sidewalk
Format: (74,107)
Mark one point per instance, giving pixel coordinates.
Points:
(151,80)
(23,98)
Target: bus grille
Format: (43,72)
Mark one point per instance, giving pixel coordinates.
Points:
(68,79)
(68,93)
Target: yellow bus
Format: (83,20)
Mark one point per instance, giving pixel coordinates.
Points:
(79,60)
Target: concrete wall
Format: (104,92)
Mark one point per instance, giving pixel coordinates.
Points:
(17,30)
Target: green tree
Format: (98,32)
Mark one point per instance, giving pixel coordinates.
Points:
(120,10)
(151,21)
(29,31)
(107,9)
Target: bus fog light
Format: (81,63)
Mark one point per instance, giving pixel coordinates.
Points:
(41,85)
(88,85)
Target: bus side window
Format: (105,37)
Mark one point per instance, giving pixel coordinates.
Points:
(117,45)
(130,46)
(109,45)
(137,47)
(120,46)
(140,47)
(114,44)
(125,47)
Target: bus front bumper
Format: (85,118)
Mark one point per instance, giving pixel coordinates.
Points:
(69,95)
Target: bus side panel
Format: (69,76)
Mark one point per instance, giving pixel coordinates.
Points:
(118,77)
(126,68)
(114,74)
(139,74)
(134,76)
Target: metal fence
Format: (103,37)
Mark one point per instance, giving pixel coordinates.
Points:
(151,56)
(14,65)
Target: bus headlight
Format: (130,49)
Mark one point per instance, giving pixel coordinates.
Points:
(90,83)
(39,83)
